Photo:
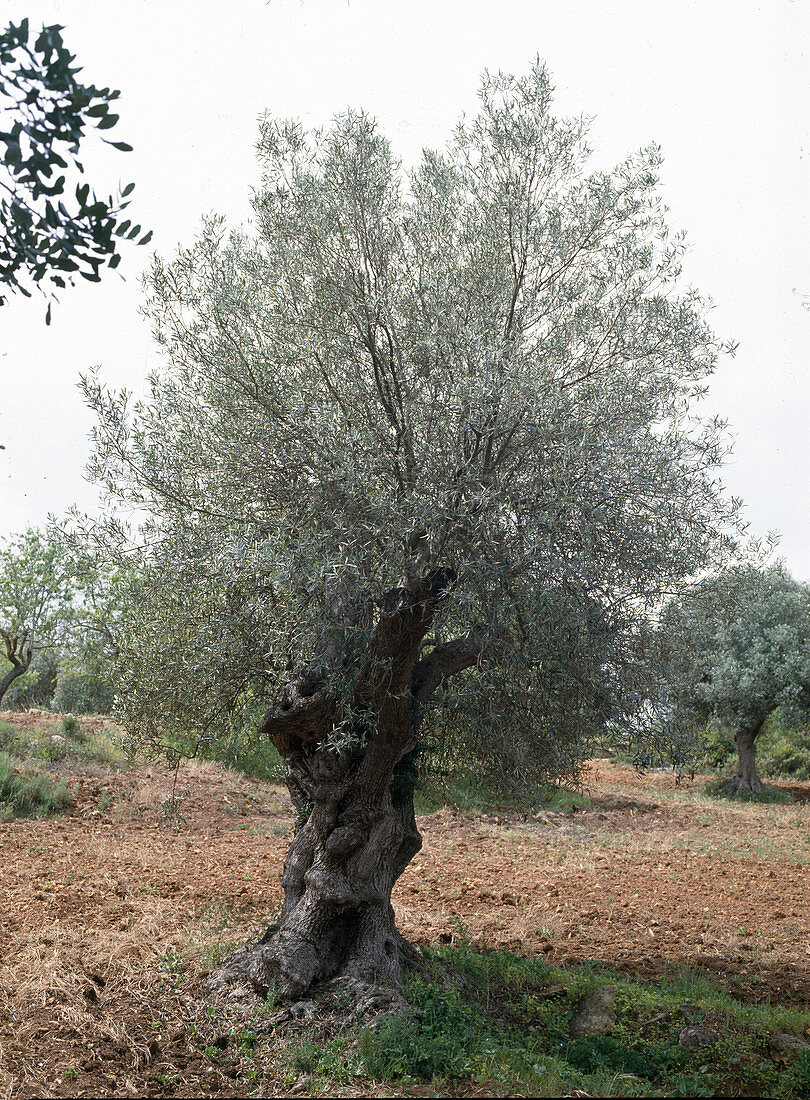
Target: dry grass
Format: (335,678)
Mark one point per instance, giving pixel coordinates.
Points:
(112,913)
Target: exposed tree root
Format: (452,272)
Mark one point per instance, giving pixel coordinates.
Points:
(744,785)
(248,976)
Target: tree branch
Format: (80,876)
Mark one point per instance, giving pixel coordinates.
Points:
(442,662)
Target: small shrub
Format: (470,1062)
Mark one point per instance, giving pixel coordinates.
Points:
(783,752)
(82,693)
(70,725)
(305,1057)
(600,1053)
(8,738)
(798,1076)
(29,794)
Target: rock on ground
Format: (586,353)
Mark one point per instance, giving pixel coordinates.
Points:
(596,1012)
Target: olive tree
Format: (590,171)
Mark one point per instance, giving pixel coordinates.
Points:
(419,440)
(35,598)
(88,669)
(735,648)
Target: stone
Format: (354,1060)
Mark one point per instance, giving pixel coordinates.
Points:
(696,1038)
(595,1013)
(786,1047)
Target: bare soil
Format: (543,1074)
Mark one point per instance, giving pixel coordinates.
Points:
(111,914)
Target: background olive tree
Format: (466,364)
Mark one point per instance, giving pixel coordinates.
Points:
(36,593)
(87,674)
(734,649)
(60,615)
(421,440)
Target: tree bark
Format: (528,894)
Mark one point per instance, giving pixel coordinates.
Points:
(357,829)
(746,781)
(20,654)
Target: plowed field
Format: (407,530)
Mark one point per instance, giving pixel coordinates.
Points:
(110,913)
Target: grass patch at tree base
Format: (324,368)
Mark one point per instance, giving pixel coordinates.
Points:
(495,1020)
(720,788)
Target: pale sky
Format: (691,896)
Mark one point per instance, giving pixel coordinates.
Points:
(722,85)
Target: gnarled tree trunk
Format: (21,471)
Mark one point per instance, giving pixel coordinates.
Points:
(746,781)
(358,831)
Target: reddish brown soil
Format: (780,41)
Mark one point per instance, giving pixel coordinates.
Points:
(110,913)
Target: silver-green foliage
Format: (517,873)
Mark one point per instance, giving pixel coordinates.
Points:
(60,611)
(36,592)
(104,593)
(483,364)
(736,648)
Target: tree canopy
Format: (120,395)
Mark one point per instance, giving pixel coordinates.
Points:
(45,114)
(484,365)
(36,592)
(735,648)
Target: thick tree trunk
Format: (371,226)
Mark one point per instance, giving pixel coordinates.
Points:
(337,919)
(357,829)
(746,781)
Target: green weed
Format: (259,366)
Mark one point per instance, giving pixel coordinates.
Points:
(443,1038)
(331,1059)
(29,794)
(718,789)
(695,986)
(171,962)
(508,1021)
(105,800)
(495,969)
(467,791)
(604,1053)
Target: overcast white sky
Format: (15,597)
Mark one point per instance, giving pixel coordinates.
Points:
(722,85)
